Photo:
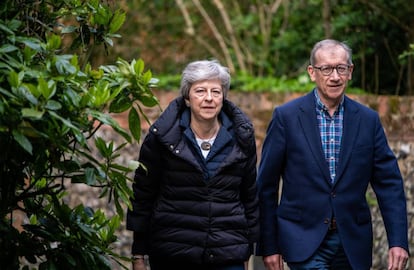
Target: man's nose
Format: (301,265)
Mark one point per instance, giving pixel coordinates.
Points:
(334,74)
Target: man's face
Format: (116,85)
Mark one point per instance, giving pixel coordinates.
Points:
(331,73)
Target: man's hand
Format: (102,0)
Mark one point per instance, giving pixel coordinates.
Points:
(273,262)
(397,258)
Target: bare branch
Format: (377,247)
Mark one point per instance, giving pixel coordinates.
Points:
(188,22)
(191,31)
(230,30)
(216,34)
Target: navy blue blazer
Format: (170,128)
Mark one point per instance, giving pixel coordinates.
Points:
(292,151)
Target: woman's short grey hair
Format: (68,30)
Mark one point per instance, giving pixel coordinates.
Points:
(329,43)
(204,70)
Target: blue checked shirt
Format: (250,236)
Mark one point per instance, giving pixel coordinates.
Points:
(330,129)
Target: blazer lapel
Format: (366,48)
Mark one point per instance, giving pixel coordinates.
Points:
(309,123)
(351,126)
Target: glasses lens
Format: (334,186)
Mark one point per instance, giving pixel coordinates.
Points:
(326,70)
(342,69)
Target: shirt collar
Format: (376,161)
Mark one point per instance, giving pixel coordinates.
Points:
(321,106)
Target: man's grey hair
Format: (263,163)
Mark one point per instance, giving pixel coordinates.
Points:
(329,43)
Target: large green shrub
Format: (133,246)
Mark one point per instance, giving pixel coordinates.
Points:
(52,103)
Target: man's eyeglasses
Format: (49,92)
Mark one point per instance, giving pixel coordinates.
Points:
(327,70)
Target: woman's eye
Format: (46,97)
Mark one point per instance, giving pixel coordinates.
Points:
(200,91)
(216,93)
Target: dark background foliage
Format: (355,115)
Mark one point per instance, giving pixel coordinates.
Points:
(272,39)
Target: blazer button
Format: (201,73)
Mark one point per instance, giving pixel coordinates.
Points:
(326,221)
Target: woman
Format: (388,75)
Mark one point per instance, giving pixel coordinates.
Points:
(195,204)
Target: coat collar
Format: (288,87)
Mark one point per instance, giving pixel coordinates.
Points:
(168,127)
(309,124)
(352,125)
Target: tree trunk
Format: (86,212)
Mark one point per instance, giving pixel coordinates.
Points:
(326,15)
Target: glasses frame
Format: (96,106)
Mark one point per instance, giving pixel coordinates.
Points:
(346,72)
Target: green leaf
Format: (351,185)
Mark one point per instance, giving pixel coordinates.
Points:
(6,29)
(99,94)
(90,176)
(29,54)
(53,42)
(13,62)
(149,101)
(104,149)
(118,206)
(76,131)
(14,24)
(117,90)
(63,64)
(134,123)
(22,141)
(70,259)
(138,66)
(41,183)
(68,123)
(53,105)
(117,21)
(7,48)
(73,97)
(32,113)
(124,67)
(5,66)
(14,79)
(33,43)
(27,94)
(69,29)
(120,104)
(102,16)
(146,77)
(68,166)
(47,89)
(107,119)
(108,41)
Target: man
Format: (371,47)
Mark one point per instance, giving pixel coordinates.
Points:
(327,148)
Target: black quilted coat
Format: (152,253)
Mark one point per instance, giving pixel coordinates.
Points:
(186,208)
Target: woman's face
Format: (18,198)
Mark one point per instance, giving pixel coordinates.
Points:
(205,100)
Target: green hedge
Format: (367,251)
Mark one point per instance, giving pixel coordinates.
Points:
(245,83)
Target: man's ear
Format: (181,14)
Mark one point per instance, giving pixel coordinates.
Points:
(351,69)
(311,73)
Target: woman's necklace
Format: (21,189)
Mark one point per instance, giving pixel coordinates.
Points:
(205,143)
